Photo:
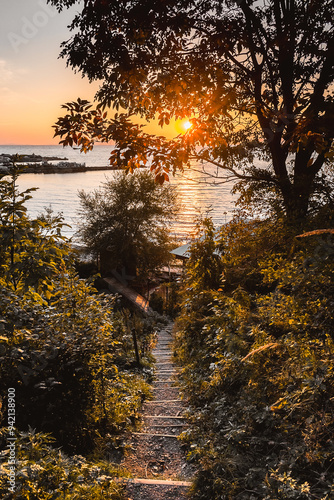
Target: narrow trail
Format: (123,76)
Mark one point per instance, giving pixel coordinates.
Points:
(156,458)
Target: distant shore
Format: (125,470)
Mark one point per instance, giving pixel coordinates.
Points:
(66,169)
(36,164)
(28,158)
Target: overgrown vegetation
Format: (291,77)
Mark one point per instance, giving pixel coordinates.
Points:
(70,356)
(45,472)
(256,329)
(255,341)
(258,362)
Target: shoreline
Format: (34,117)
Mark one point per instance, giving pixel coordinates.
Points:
(37,164)
(41,164)
(54,169)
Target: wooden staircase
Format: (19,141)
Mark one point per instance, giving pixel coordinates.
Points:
(156,459)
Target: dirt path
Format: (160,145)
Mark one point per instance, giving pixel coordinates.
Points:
(156,459)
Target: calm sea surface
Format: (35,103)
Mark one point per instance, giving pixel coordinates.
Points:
(60,190)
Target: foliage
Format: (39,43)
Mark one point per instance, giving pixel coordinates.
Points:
(253,77)
(257,358)
(204,264)
(45,473)
(22,264)
(128,218)
(70,361)
(69,356)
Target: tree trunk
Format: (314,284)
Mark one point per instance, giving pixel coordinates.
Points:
(296,191)
(298,199)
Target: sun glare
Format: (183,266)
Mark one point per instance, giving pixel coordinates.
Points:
(187,125)
(181,126)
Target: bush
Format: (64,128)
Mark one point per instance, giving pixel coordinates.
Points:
(43,472)
(70,362)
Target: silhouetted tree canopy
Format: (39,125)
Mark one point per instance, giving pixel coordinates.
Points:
(254,77)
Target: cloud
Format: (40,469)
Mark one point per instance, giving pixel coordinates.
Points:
(6,74)
(10,74)
(10,80)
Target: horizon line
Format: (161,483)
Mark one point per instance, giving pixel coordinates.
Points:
(38,145)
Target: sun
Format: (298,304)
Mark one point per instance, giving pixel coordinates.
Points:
(186,125)
(183,125)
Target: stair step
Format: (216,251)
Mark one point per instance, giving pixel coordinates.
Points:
(175,436)
(166,425)
(163,416)
(160,482)
(160,401)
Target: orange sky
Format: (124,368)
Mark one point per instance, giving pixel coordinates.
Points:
(34,82)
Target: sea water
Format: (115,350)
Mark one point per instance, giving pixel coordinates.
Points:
(197,194)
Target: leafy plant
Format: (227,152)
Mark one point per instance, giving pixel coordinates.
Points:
(44,473)
(32,250)
(62,347)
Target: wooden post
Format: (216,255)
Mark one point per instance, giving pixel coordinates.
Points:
(134,336)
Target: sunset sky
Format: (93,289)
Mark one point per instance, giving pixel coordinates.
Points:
(34,82)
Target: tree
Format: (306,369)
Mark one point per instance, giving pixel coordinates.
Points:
(204,268)
(254,77)
(128,218)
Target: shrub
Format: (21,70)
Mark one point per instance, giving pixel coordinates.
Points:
(44,473)
(66,358)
